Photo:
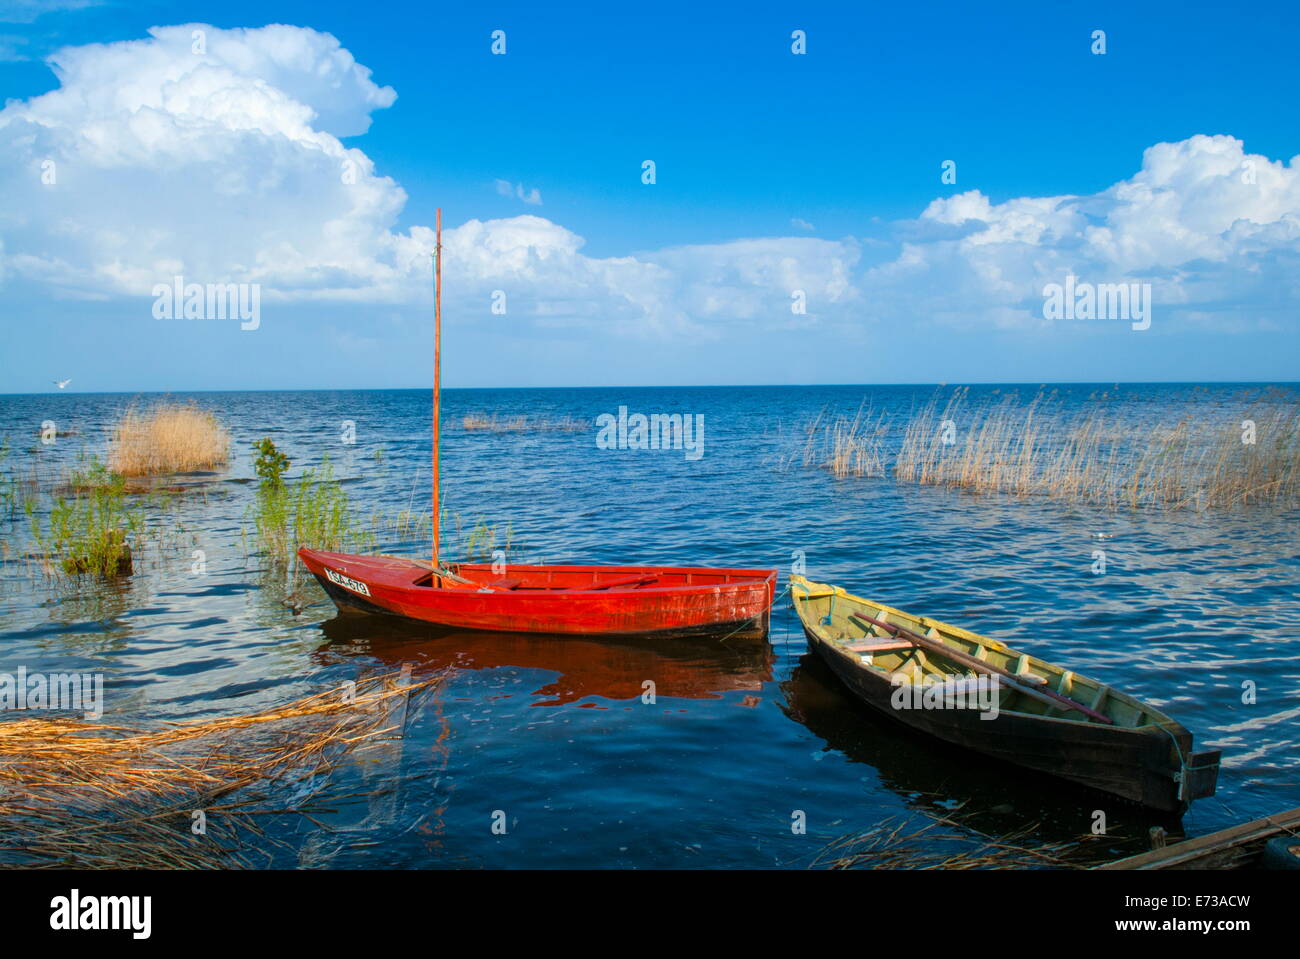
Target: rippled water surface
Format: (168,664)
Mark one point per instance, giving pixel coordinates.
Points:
(554,733)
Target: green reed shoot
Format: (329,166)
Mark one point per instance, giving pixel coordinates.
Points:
(310,511)
(90,529)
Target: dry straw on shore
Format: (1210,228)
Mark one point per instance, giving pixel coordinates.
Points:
(86,795)
(170,438)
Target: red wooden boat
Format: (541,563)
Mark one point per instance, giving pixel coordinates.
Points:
(559,600)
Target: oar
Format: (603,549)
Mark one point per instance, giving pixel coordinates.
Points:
(1046,695)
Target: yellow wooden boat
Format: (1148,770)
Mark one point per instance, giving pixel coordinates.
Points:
(997,701)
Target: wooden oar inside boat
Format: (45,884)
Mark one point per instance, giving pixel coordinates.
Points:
(1011,679)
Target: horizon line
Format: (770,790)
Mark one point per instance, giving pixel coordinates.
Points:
(660,386)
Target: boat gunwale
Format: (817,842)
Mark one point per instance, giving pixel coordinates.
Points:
(744,578)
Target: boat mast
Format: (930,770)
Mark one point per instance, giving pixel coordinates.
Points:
(437,375)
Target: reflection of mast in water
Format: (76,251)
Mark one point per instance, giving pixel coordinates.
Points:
(611,669)
(441,755)
(386,790)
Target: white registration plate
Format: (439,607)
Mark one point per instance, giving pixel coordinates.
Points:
(347,582)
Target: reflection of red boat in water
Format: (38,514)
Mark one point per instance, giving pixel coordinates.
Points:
(660,601)
(615,670)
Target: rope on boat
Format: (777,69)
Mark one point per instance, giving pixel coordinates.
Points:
(1182,759)
(770,606)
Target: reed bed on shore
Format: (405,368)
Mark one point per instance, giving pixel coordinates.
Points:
(494,423)
(900,843)
(1222,458)
(169,438)
(89,795)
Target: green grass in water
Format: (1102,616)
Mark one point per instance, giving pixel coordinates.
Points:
(310,511)
(90,529)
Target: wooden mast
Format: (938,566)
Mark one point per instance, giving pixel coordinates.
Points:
(437,376)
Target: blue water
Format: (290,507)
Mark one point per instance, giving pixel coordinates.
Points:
(554,734)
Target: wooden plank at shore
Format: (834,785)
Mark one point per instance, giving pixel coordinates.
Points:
(1227,849)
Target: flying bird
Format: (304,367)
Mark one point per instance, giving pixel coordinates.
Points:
(62,384)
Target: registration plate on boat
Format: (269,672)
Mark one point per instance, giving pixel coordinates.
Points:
(347,582)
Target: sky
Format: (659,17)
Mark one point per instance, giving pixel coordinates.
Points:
(894,204)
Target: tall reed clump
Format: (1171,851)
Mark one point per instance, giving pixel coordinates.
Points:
(310,511)
(170,438)
(93,795)
(846,446)
(1246,453)
(1252,457)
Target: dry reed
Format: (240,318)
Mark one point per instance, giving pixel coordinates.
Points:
(170,438)
(482,422)
(898,843)
(93,795)
(846,446)
(1105,457)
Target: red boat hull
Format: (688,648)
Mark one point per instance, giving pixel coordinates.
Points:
(557,600)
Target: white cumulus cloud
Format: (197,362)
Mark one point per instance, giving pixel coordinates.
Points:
(1215,230)
(217,155)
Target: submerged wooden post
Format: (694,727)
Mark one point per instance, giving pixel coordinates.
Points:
(437,376)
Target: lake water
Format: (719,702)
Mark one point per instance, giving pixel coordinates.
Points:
(554,734)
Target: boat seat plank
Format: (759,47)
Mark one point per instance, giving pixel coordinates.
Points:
(878,647)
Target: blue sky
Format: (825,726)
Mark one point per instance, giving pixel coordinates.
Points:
(827,162)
